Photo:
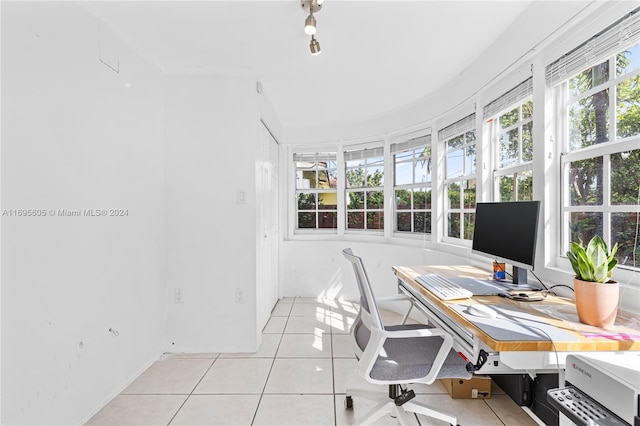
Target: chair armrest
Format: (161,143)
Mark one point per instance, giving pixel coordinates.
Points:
(399,298)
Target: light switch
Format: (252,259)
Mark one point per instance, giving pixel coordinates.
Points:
(241,196)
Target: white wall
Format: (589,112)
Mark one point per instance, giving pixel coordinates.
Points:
(75,137)
(318,268)
(174,151)
(211,139)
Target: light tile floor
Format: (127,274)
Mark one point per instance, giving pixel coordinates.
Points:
(298,377)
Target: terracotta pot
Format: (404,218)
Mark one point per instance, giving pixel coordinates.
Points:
(596,303)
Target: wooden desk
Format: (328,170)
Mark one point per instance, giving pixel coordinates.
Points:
(517,355)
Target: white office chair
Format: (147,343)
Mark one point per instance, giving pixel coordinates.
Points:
(398,355)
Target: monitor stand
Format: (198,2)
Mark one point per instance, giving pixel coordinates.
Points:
(519,280)
(519,275)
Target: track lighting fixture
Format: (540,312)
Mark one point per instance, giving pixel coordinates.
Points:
(311,6)
(310,25)
(314,46)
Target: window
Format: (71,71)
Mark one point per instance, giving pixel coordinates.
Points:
(412,185)
(601,154)
(510,118)
(364,170)
(460,177)
(316,194)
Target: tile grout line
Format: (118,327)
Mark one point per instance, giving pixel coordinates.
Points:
(333,369)
(273,361)
(334,330)
(494,412)
(194,388)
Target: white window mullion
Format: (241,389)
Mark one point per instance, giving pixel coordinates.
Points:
(342,193)
(487,157)
(613,126)
(566,233)
(460,208)
(601,149)
(520,140)
(606,181)
(606,198)
(518,168)
(389,193)
(606,227)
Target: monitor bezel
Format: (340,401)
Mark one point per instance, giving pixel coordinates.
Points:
(512,262)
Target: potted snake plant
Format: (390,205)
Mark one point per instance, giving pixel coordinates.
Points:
(596,295)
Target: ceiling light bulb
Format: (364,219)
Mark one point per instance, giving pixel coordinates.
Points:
(314,46)
(310,25)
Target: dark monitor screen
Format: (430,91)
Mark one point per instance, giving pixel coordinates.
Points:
(507,231)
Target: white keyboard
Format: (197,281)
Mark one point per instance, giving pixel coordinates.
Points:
(443,288)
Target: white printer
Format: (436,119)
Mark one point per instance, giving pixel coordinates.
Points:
(602,389)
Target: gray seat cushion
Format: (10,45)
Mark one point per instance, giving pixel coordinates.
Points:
(409,358)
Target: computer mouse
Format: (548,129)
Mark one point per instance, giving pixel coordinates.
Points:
(483,311)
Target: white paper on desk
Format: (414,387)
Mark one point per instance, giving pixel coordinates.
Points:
(569,314)
(513,324)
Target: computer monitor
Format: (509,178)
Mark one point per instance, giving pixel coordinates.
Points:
(508,232)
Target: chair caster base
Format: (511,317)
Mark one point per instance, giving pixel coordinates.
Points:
(404,397)
(348,402)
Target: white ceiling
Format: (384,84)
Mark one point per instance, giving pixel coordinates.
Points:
(377,56)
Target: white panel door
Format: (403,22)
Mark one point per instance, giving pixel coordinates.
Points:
(267,199)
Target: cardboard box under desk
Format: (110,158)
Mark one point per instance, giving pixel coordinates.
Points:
(478,387)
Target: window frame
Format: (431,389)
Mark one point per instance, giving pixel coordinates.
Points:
(302,156)
(461,180)
(412,144)
(518,167)
(612,146)
(364,153)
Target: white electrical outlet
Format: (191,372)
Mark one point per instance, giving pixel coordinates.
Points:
(239,295)
(178,296)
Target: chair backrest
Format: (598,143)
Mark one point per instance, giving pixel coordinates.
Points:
(434,351)
(368,307)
